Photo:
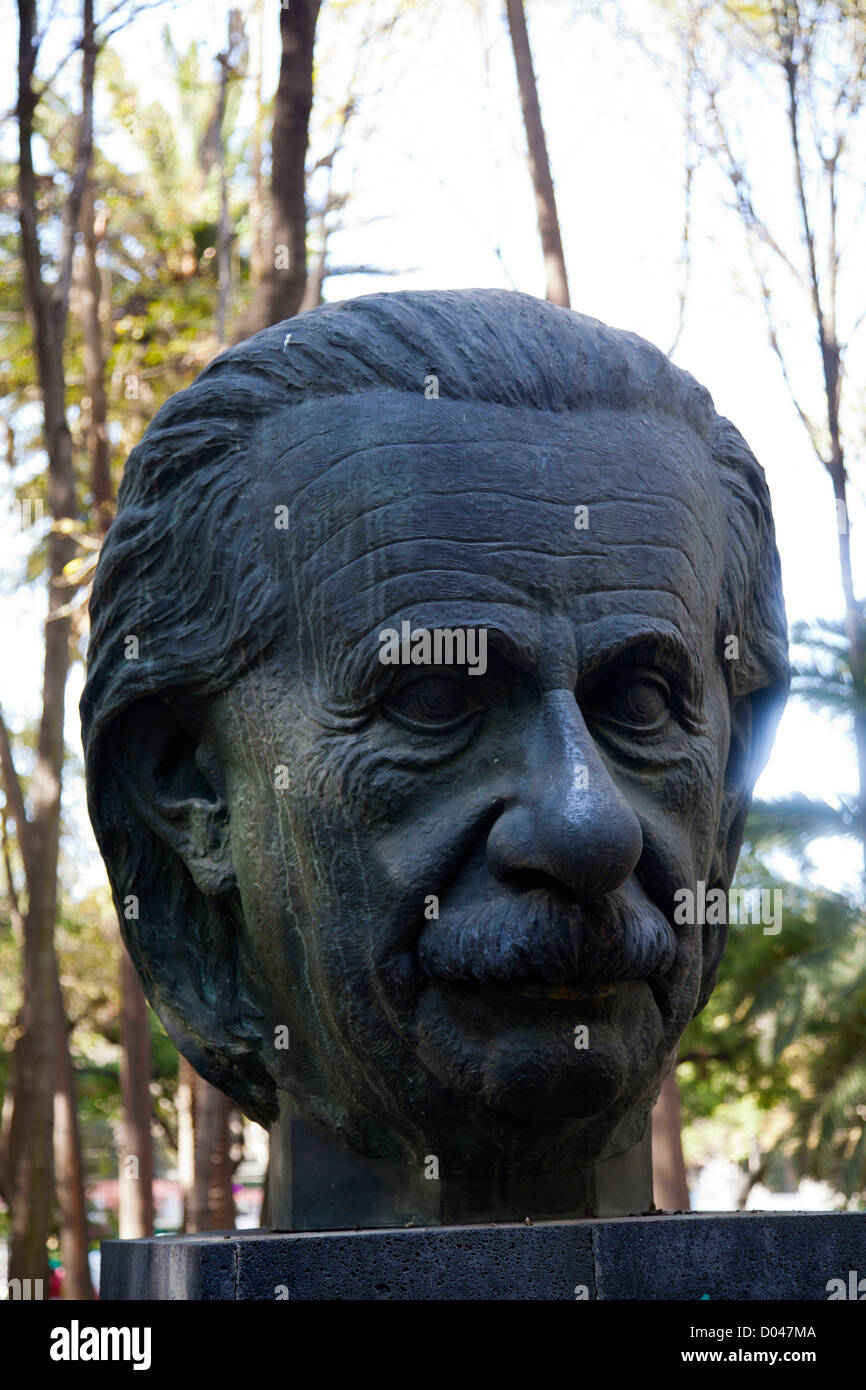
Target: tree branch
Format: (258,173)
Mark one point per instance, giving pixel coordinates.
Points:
(743,197)
(59,298)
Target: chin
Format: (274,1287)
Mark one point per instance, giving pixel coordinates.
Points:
(515,1058)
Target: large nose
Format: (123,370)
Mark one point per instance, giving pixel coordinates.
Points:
(566,822)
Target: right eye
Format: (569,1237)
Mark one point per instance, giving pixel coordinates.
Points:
(431,705)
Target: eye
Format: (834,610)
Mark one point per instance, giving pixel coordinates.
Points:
(431,705)
(640,702)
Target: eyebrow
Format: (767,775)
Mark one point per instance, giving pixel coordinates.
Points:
(362,679)
(662,643)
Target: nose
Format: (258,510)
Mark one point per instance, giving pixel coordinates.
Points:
(568,824)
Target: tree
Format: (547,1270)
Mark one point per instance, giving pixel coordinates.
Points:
(62,359)
(539,164)
(135,1186)
(28,1159)
(281,290)
(670,1186)
(781,1039)
(811,56)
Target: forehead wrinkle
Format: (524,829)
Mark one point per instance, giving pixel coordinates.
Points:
(515,596)
(368,450)
(507,548)
(359,519)
(322,475)
(492,547)
(421,538)
(413,518)
(559,435)
(597,501)
(622,589)
(589,499)
(490,422)
(414,500)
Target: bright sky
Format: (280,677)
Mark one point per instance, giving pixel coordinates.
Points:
(440,194)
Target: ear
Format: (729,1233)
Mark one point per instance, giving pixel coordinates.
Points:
(163,827)
(174,780)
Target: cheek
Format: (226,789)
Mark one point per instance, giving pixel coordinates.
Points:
(680,805)
(710,765)
(354,784)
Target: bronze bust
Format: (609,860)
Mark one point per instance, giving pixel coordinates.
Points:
(411,704)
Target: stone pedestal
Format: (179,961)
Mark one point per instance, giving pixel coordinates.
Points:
(748,1255)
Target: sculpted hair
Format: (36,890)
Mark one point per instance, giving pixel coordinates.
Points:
(180,572)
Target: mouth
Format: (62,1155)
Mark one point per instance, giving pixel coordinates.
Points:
(538,1002)
(538,989)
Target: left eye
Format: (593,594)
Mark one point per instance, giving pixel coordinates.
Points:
(642,703)
(431,705)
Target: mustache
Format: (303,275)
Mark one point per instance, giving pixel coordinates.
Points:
(602,940)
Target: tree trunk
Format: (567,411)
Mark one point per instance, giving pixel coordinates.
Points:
(257,198)
(135,1187)
(282,288)
(69,1164)
(98,448)
(29,1155)
(670,1188)
(312,296)
(539,164)
(212,1207)
(185,1138)
(224,231)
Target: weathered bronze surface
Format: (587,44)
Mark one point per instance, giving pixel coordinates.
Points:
(417,916)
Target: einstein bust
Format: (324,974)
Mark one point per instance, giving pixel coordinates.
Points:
(411,706)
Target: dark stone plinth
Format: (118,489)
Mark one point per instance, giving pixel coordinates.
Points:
(748,1255)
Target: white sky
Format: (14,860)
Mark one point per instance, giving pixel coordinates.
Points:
(438,183)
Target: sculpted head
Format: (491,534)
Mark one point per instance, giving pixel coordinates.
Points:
(429,909)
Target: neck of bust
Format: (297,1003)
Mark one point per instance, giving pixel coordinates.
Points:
(315,1183)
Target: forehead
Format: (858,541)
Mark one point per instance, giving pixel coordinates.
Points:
(452,513)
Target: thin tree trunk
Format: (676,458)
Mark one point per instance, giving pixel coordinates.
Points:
(16,919)
(825,306)
(98,448)
(30,1138)
(135,1160)
(670,1186)
(69,1164)
(312,296)
(224,234)
(282,288)
(539,164)
(212,1207)
(257,198)
(135,1187)
(186,1138)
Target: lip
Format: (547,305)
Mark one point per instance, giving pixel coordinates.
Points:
(592,1000)
(538,989)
